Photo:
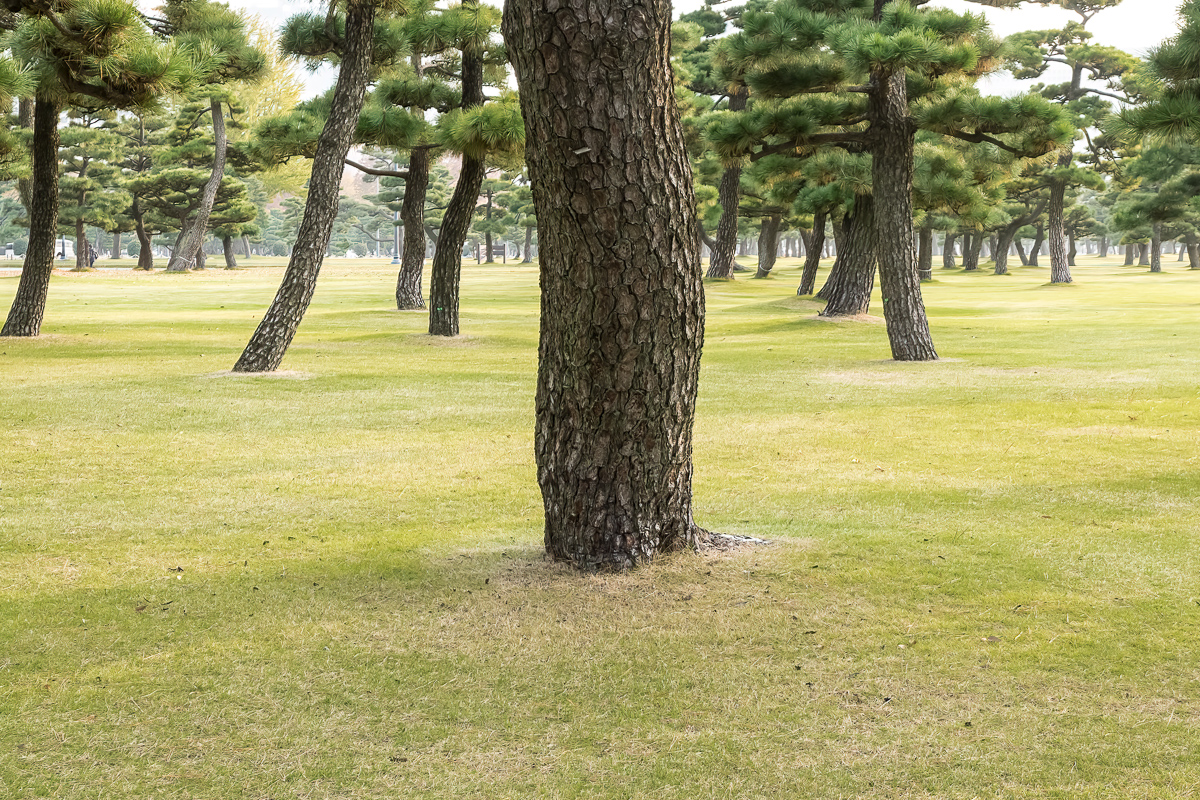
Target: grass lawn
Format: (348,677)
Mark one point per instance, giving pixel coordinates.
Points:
(984,576)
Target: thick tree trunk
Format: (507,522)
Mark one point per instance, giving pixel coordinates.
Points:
(270,341)
(1004,240)
(847,291)
(186,255)
(29,305)
(1102,252)
(1129,257)
(227,247)
(412,215)
(925,253)
(622,299)
(116,245)
(1156,247)
(1143,254)
(891,179)
(83,248)
(768,244)
(812,257)
(948,251)
(446,269)
(1193,252)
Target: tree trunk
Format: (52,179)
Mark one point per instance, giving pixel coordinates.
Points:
(1193,251)
(1129,255)
(186,255)
(83,248)
(812,256)
(528,257)
(847,292)
(1156,247)
(1017,243)
(1035,250)
(948,251)
(622,299)
(227,247)
(1143,254)
(145,253)
(729,194)
(925,252)
(1102,251)
(270,341)
(446,269)
(29,305)
(768,244)
(409,295)
(116,245)
(972,244)
(1071,250)
(1004,240)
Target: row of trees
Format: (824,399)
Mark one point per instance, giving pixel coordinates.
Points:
(859,113)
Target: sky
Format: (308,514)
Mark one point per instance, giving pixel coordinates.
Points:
(1135,26)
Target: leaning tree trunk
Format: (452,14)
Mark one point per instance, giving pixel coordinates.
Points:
(622,299)
(227,248)
(891,179)
(412,215)
(768,244)
(814,245)
(29,305)
(1004,241)
(185,256)
(1156,247)
(1035,250)
(847,292)
(1072,251)
(446,269)
(270,341)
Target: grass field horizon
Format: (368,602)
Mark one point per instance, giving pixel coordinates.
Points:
(329,583)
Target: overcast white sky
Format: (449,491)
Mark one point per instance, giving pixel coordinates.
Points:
(1135,26)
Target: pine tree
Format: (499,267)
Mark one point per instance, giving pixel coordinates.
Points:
(88,54)
(865,76)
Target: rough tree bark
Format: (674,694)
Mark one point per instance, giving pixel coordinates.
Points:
(227,249)
(145,254)
(1156,247)
(891,179)
(925,253)
(29,305)
(813,247)
(948,252)
(972,245)
(412,215)
(622,299)
(847,291)
(270,341)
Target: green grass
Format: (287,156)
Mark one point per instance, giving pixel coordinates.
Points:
(983,580)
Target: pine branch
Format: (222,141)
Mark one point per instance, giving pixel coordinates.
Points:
(386,173)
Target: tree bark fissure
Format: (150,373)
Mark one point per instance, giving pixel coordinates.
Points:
(847,291)
(721,262)
(768,244)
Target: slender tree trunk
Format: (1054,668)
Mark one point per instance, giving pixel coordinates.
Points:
(83,248)
(1071,250)
(847,292)
(528,257)
(227,247)
(1060,271)
(145,252)
(812,256)
(925,252)
(186,254)
(1156,247)
(948,251)
(721,262)
(1021,254)
(622,299)
(116,246)
(446,269)
(768,244)
(270,341)
(409,295)
(1193,251)
(1102,251)
(29,305)
(1035,249)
